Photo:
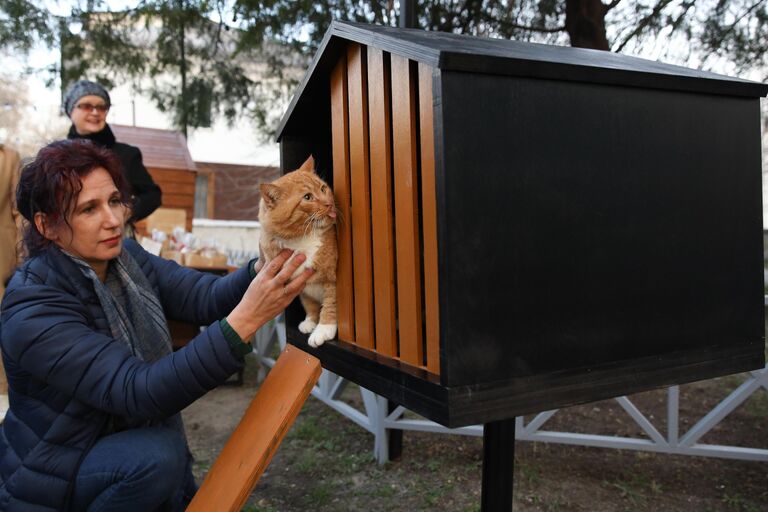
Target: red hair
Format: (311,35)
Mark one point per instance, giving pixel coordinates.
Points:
(52,182)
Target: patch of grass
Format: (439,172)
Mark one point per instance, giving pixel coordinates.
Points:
(384,491)
(353,462)
(529,473)
(629,489)
(757,405)
(308,462)
(737,502)
(201,467)
(320,494)
(534,499)
(432,497)
(554,505)
(309,430)
(257,508)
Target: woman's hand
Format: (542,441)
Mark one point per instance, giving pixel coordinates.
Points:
(269,293)
(258,265)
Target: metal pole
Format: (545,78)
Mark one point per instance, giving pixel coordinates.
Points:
(498,465)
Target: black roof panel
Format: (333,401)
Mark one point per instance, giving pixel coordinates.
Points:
(454,52)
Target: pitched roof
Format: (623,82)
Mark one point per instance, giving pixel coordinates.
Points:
(164,149)
(455,52)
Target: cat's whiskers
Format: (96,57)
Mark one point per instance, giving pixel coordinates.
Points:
(308,224)
(314,221)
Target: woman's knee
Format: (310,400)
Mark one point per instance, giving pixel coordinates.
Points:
(163,457)
(144,466)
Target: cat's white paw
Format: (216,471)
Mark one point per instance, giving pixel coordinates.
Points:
(321,334)
(307,326)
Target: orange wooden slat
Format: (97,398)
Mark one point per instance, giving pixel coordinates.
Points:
(340,140)
(429,218)
(406,186)
(254,442)
(381,203)
(357,87)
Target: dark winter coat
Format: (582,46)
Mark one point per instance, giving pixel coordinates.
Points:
(147,196)
(67,375)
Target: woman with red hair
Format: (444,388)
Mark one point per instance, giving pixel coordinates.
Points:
(95,389)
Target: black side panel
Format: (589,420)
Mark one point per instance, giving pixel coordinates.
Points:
(587,225)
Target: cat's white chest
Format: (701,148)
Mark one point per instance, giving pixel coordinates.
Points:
(307,245)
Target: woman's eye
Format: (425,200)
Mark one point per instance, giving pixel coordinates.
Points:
(114,201)
(323,188)
(308,197)
(87,209)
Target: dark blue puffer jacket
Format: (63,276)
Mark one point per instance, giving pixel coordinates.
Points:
(67,376)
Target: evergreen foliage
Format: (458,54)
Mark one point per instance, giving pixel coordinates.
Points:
(201,56)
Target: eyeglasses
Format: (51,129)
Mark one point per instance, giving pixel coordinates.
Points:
(87,107)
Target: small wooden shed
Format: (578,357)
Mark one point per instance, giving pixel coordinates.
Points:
(233,189)
(166,157)
(526,227)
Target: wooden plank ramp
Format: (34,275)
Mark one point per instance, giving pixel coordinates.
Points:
(254,442)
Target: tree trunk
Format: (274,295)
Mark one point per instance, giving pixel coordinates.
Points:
(585,23)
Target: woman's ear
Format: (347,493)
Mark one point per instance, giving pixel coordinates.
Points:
(41,223)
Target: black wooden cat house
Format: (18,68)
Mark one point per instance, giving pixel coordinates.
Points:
(527,227)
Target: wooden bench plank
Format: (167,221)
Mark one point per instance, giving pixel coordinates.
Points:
(261,430)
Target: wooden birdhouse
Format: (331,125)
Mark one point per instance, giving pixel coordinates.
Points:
(526,227)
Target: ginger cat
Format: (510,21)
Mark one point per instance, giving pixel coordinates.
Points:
(297,211)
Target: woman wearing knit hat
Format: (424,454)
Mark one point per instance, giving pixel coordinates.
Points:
(87,104)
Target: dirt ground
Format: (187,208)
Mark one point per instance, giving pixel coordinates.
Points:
(326,462)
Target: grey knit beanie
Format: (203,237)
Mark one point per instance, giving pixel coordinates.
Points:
(83,88)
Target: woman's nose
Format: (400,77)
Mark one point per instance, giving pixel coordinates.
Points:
(111,218)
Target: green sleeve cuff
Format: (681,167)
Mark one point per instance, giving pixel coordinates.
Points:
(236,344)
(251,270)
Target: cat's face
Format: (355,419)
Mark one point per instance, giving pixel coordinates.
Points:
(298,203)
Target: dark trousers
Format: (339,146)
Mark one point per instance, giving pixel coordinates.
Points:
(143,469)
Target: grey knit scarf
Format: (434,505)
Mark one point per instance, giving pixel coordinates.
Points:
(136,319)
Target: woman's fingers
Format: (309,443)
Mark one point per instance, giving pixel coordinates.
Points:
(269,293)
(296,284)
(274,266)
(290,268)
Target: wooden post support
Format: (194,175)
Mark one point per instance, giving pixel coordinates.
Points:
(498,465)
(255,440)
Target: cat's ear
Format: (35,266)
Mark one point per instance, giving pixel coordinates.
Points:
(270,193)
(308,165)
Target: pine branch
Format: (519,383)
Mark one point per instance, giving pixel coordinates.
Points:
(611,5)
(641,26)
(530,28)
(747,12)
